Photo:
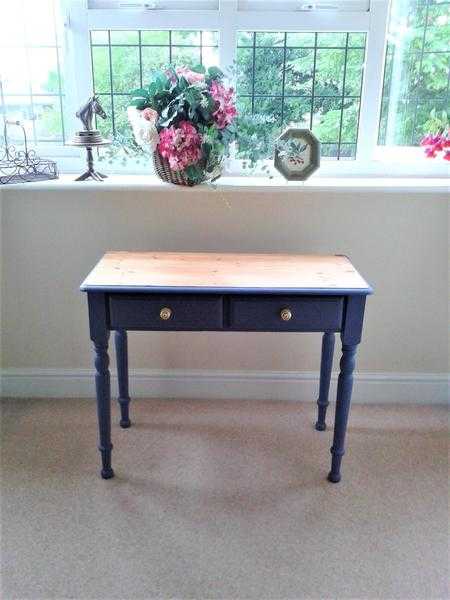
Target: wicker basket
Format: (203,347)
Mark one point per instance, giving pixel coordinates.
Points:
(165,173)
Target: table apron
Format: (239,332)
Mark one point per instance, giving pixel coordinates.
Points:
(229,312)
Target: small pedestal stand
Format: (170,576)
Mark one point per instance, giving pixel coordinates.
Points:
(89,140)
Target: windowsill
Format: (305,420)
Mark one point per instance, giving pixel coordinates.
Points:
(228,183)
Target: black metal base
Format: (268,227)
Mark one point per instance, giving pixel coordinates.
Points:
(320,426)
(93,174)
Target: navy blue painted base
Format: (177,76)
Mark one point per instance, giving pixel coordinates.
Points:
(327,314)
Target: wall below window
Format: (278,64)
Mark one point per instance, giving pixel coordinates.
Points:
(52,237)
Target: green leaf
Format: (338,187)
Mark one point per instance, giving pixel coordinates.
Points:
(193,96)
(139,103)
(182,83)
(194,173)
(215,73)
(199,69)
(161,80)
(206,149)
(139,92)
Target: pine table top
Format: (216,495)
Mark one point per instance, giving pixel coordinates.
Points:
(225,272)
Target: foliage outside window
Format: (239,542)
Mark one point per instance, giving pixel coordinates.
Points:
(417,72)
(311,80)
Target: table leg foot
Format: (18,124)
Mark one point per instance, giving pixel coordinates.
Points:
(107,473)
(124,404)
(105,452)
(334,477)
(320,426)
(125,423)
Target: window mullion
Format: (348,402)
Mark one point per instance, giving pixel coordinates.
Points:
(78,69)
(227,33)
(373,80)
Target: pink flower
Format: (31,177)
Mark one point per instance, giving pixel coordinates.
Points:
(171,76)
(180,145)
(190,76)
(430,152)
(447,155)
(225,109)
(149,115)
(427,140)
(434,144)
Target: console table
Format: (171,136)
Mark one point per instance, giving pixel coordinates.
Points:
(167,291)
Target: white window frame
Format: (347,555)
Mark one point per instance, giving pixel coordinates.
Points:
(371,159)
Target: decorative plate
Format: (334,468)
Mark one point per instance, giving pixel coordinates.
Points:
(297,154)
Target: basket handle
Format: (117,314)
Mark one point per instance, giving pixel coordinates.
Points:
(5,130)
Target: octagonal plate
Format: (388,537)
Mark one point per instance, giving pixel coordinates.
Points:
(297,154)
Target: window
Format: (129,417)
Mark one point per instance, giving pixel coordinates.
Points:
(416,78)
(363,78)
(121,59)
(31,86)
(308,79)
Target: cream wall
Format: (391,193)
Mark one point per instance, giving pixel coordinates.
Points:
(398,240)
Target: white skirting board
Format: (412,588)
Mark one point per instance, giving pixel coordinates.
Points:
(391,388)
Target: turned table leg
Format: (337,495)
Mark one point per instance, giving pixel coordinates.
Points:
(350,336)
(100,337)
(103,391)
(121,343)
(344,394)
(326,365)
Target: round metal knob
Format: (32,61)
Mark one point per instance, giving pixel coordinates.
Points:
(286,314)
(165,313)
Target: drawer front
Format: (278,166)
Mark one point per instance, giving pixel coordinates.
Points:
(170,312)
(286,313)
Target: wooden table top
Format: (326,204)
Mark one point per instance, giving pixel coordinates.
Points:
(224,272)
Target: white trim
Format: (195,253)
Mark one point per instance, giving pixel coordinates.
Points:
(152,19)
(304,21)
(389,388)
(227,33)
(121,183)
(78,55)
(369,117)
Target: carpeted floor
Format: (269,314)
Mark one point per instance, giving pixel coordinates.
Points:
(223,500)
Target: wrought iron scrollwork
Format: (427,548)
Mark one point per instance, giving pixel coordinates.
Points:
(23,165)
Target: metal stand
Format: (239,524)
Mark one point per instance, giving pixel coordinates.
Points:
(91,172)
(90,140)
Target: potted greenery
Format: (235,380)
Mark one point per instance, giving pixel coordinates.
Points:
(186,119)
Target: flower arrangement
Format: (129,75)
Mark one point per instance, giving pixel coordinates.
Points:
(186,119)
(438,138)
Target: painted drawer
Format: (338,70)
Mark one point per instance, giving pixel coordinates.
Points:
(286,313)
(171,312)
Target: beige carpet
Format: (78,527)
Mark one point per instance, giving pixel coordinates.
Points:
(223,500)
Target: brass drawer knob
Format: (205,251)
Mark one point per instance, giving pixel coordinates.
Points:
(165,313)
(286,314)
